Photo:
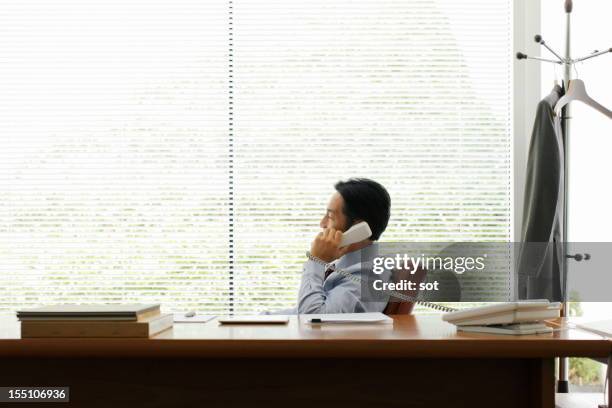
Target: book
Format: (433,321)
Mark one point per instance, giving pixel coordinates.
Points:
(126,312)
(96,328)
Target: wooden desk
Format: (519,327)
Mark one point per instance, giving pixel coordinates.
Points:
(419,361)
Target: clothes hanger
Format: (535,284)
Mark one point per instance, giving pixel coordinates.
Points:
(577,92)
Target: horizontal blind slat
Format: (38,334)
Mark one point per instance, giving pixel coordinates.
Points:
(115,163)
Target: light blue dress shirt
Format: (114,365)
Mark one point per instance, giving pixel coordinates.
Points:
(338,293)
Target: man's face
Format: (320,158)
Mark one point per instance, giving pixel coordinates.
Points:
(334,217)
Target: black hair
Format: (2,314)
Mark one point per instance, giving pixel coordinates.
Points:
(365,200)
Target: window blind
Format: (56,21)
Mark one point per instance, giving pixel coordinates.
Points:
(184,152)
(414,94)
(114,152)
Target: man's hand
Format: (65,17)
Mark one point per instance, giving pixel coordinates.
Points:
(326,245)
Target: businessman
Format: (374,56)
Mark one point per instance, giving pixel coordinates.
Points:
(325,290)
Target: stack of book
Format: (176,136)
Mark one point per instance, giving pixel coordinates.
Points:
(132,320)
(526,317)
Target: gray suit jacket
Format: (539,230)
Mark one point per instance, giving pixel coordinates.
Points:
(540,262)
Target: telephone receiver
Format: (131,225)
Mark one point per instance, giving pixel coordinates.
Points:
(356,233)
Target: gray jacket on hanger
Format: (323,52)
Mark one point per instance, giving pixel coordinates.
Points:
(540,262)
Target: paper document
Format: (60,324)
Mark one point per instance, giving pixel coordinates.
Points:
(197,318)
(347,318)
(603,328)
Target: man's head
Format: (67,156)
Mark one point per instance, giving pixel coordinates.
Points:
(358,200)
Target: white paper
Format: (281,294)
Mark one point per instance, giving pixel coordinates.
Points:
(197,318)
(603,328)
(348,318)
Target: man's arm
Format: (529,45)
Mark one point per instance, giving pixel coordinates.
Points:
(343,298)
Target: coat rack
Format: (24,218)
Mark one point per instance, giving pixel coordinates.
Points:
(567,62)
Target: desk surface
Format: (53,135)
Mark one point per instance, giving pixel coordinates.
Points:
(410,336)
